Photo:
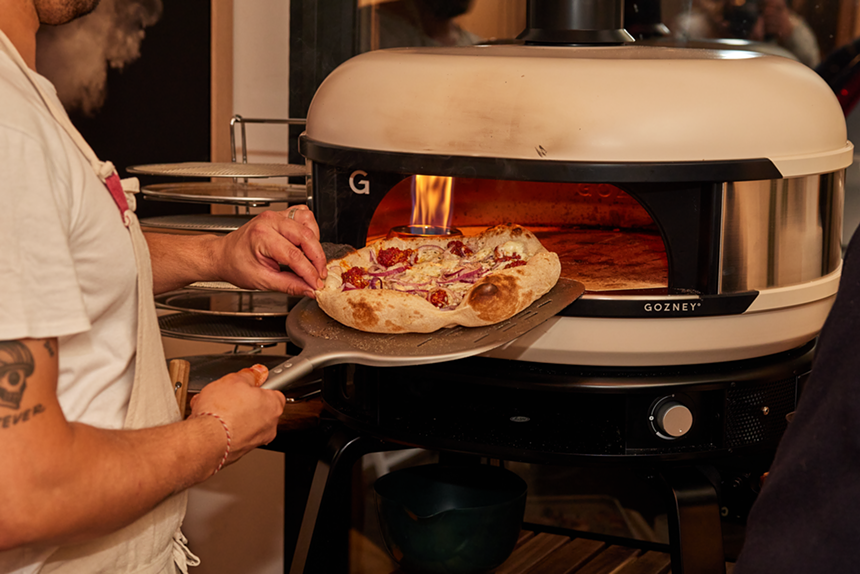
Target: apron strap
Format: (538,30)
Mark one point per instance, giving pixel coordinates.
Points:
(105,170)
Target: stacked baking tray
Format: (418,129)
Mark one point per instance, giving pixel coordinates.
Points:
(220,312)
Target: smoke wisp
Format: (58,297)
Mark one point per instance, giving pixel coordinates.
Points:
(76,56)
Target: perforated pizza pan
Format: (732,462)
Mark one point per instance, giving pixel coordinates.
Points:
(228,330)
(228,304)
(235,170)
(219,286)
(198,222)
(245,194)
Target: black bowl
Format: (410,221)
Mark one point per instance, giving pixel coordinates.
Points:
(440,519)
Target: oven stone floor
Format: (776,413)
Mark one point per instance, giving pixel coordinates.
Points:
(606,502)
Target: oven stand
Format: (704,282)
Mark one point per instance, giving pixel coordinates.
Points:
(695,534)
(323,541)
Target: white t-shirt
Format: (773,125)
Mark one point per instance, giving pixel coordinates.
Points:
(67,266)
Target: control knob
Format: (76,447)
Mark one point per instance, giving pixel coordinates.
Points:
(671,418)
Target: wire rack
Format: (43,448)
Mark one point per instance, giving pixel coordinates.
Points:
(217,319)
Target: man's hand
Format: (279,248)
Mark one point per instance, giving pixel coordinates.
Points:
(251,256)
(249,412)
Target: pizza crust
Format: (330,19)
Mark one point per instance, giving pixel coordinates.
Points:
(492,299)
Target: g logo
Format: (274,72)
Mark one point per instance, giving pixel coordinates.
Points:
(359,186)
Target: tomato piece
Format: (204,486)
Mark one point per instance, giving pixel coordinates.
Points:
(459,249)
(515,263)
(356,276)
(393,255)
(514,257)
(500,257)
(439,298)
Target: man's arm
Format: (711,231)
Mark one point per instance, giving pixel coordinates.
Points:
(68,482)
(249,257)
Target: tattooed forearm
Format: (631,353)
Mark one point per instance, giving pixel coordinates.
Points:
(21,416)
(16,364)
(49,347)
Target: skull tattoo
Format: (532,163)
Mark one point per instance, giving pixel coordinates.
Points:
(16,364)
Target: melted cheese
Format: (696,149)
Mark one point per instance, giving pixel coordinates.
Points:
(513,248)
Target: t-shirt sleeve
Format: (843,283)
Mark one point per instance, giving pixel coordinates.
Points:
(40,296)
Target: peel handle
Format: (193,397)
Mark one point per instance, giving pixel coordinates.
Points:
(282,377)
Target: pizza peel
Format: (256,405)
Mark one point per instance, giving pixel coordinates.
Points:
(325,342)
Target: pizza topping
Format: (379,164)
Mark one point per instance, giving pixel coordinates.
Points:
(393,255)
(459,249)
(438,297)
(442,276)
(512,249)
(375,272)
(356,276)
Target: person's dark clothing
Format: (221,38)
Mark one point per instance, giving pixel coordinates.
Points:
(807,517)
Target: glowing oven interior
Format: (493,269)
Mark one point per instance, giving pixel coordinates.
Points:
(603,236)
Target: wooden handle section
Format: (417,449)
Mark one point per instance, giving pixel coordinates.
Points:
(179,370)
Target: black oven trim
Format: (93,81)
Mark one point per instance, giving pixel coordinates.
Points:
(539,169)
(661,307)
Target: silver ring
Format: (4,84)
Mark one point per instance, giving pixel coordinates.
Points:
(292,213)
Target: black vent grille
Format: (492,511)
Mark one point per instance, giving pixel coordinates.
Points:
(755,414)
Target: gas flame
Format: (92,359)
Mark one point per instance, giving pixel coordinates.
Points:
(432,200)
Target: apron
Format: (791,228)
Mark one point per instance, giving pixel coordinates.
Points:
(153,544)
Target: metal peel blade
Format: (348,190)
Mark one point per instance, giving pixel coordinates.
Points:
(325,342)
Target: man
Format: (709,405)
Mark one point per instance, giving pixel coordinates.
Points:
(94,456)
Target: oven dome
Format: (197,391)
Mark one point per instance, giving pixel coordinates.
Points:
(618,104)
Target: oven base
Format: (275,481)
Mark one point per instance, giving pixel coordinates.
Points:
(554,413)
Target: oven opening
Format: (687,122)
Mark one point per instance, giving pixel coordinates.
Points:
(603,236)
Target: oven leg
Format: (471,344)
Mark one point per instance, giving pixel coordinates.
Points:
(300,458)
(694,523)
(323,541)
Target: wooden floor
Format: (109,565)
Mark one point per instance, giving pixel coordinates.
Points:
(540,553)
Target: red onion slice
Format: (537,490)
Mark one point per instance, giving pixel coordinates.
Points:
(393,271)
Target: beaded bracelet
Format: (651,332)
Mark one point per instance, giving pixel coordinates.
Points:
(229,439)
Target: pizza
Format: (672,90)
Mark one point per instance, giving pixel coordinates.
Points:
(420,285)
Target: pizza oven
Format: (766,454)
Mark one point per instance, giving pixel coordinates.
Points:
(697,193)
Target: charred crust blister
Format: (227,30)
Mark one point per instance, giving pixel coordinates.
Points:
(482,293)
(364,313)
(497,297)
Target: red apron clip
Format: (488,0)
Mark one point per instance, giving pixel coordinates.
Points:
(115,188)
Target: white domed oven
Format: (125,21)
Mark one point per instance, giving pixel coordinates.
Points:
(696,193)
